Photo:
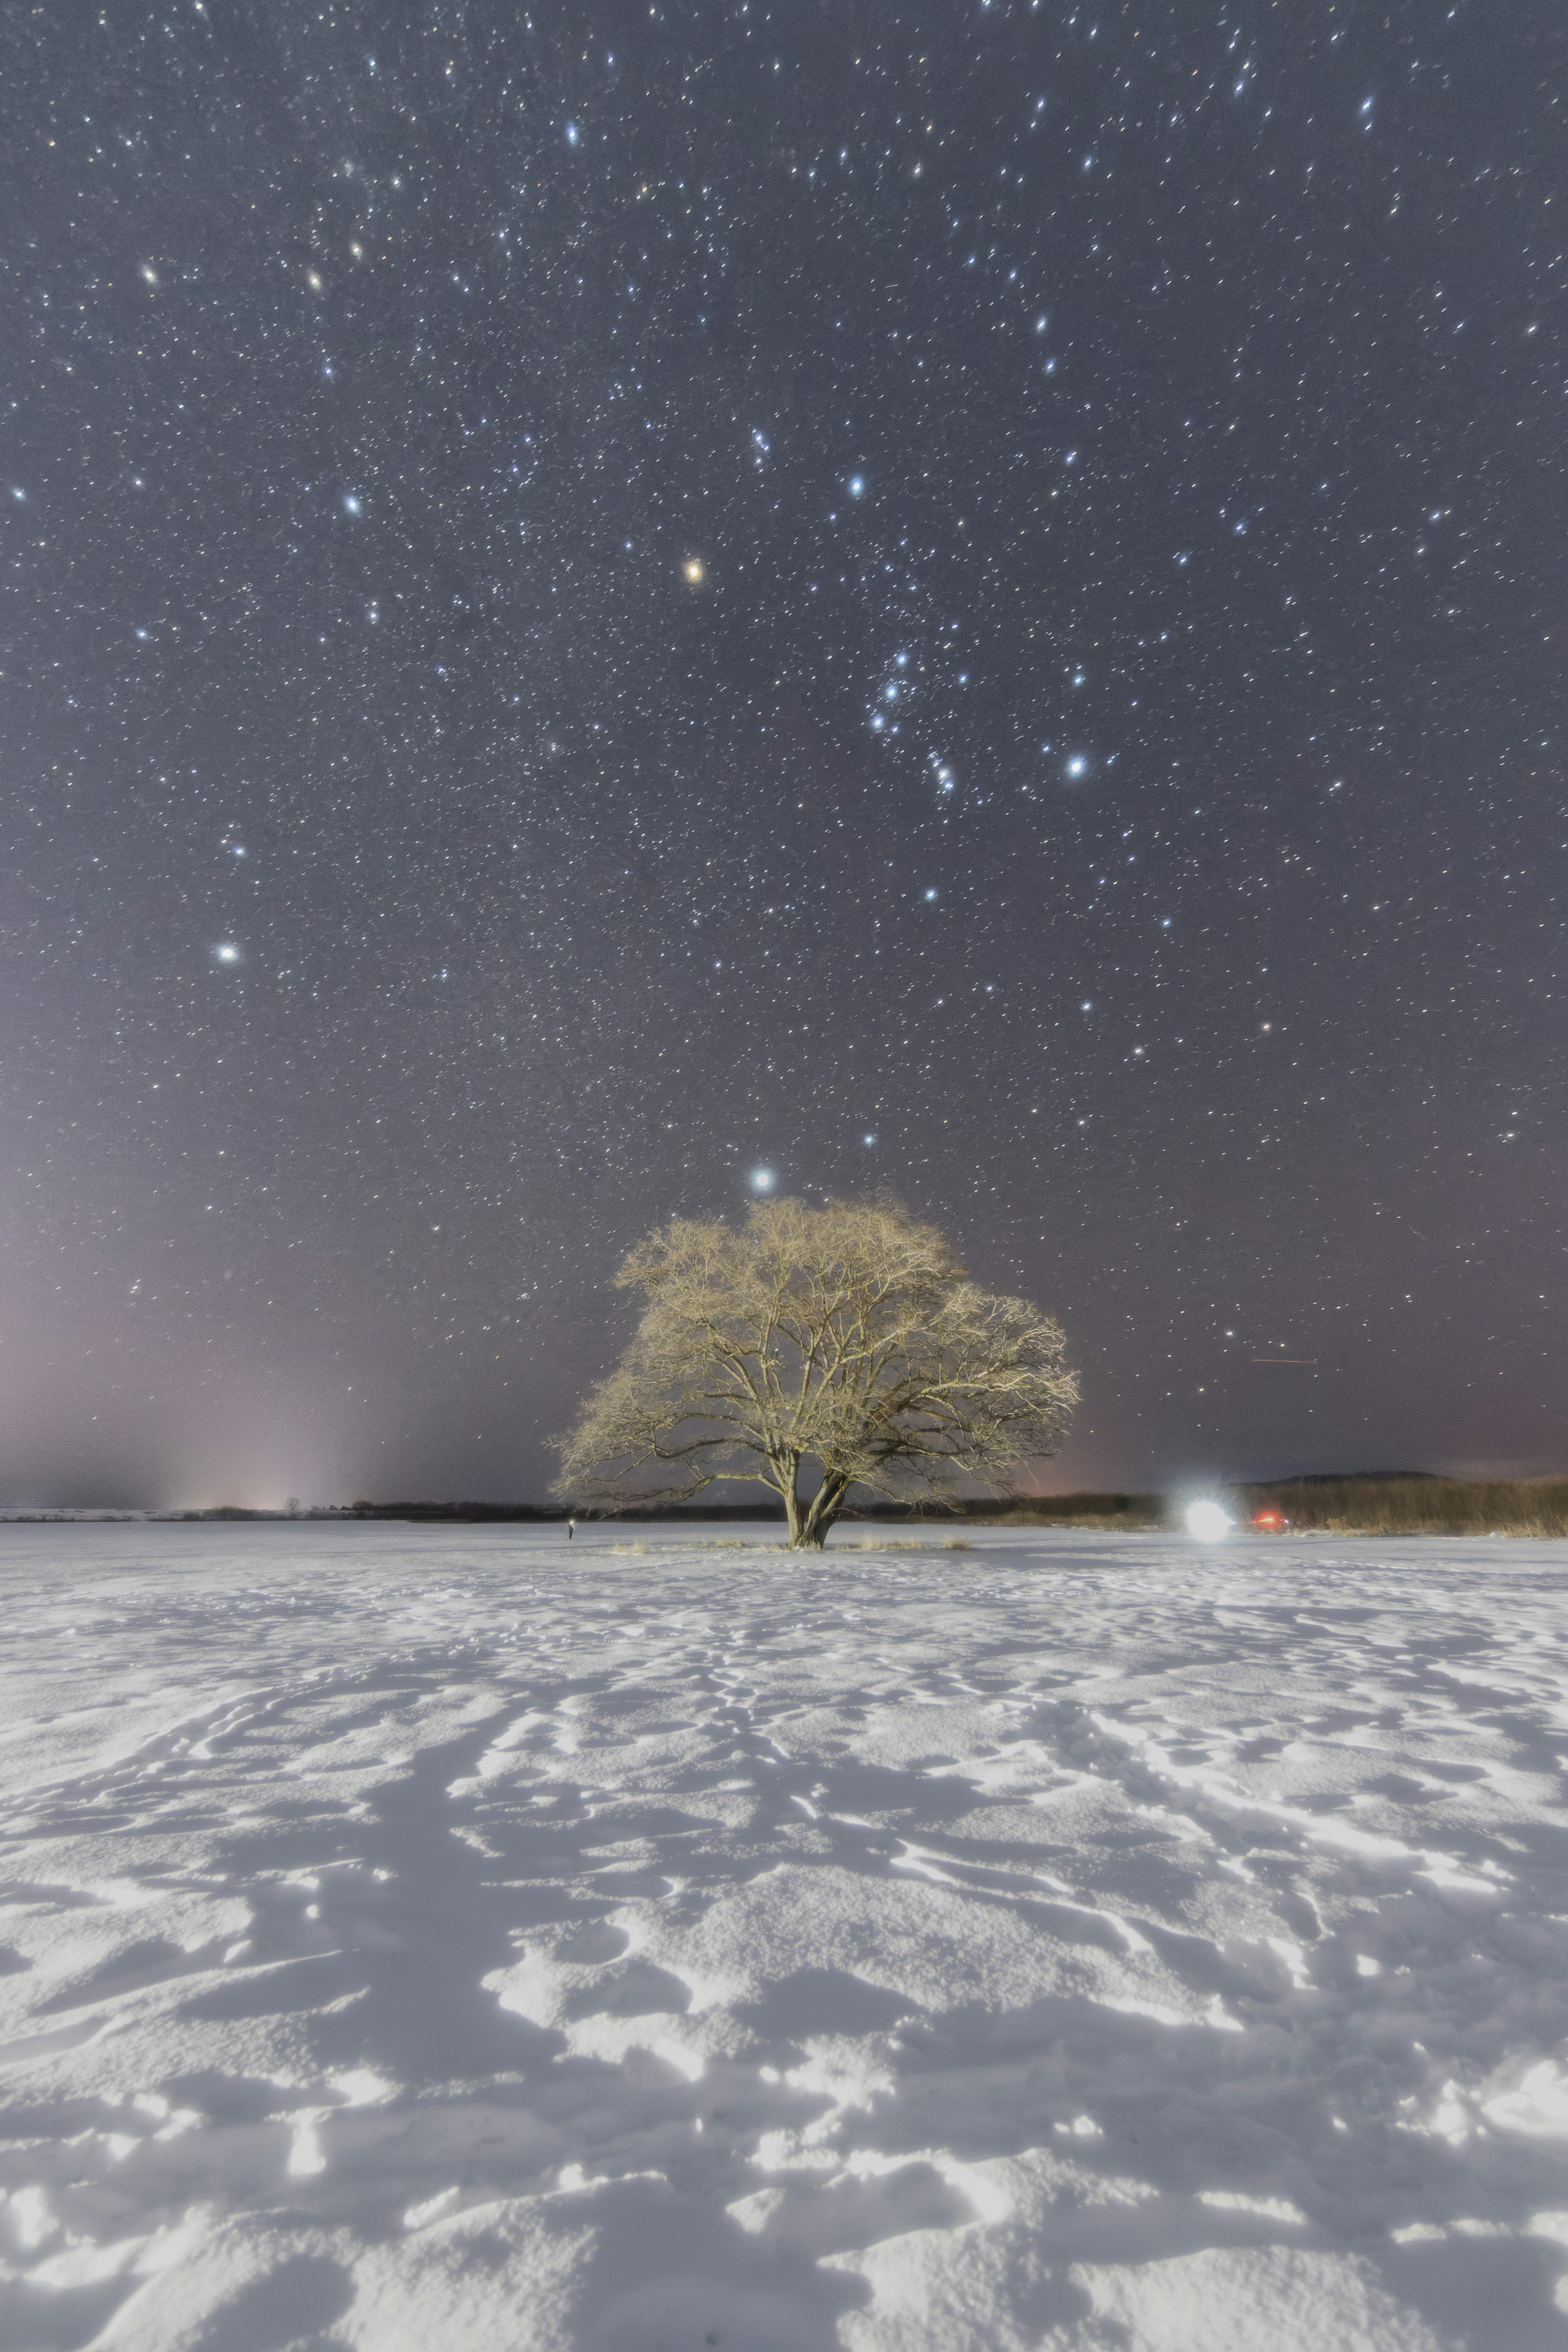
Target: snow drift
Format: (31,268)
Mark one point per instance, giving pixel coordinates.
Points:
(1085,1944)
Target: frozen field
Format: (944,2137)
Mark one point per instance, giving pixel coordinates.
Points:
(429,1942)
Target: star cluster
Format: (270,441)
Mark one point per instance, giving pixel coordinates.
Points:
(611,610)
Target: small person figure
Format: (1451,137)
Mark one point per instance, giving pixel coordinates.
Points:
(571,1529)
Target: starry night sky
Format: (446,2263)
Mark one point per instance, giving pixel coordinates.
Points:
(964,597)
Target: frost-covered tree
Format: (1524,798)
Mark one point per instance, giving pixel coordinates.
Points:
(824,1350)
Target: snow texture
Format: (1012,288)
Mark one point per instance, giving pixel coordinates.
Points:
(416,1939)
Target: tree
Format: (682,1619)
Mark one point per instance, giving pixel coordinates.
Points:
(848,1339)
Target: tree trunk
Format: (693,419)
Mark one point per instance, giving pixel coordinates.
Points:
(825,1505)
(786,1476)
(808,1522)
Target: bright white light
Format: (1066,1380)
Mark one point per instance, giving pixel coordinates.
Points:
(930,894)
(1077,765)
(1208,1523)
(867,1140)
(572,134)
(763,1179)
(351,504)
(228,953)
(856,486)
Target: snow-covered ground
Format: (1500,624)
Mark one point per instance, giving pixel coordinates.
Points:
(445,1941)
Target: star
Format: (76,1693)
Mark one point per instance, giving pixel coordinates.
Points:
(675,893)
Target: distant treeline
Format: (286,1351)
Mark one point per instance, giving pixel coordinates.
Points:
(1384,1503)
(1394,1502)
(1133,1510)
(1046,1510)
(1410,1503)
(1080,1510)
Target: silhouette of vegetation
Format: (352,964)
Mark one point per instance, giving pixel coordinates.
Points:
(846,1345)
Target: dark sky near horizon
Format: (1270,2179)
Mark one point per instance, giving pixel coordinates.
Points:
(965,598)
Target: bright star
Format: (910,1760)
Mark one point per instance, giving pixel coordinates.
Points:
(691,572)
(351,504)
(763,1179)
(1077,765)
(226,952)
(856,486)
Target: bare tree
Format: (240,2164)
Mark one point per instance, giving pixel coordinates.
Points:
(846,1339)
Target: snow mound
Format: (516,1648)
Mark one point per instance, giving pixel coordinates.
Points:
(1080,1944)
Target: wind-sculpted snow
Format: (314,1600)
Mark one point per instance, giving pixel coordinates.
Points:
(1078,1944)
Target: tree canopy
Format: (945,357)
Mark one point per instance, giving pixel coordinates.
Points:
(846,1343)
